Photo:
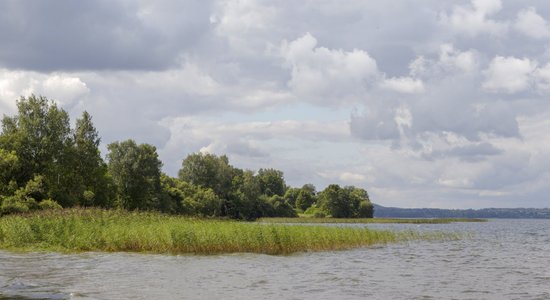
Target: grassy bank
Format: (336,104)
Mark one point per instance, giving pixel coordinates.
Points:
(367,221)
(100,230)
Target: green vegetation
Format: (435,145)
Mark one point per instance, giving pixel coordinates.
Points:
(367,220)
(45,163)
(73,230)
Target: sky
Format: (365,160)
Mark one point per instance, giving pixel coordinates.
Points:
(425,103)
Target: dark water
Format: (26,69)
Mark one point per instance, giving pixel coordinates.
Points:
(504,259)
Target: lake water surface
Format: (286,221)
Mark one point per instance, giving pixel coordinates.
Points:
(503,259)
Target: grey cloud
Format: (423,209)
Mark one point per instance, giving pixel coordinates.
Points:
(469,153)
(506,173)
(375,125)
(91,35)
(466,120)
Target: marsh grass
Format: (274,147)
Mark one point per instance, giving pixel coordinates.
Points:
(369,220)
(74,230)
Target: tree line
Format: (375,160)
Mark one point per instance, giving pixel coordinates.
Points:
(44,163)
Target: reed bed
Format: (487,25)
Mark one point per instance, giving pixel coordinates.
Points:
(369,220)
(75,230)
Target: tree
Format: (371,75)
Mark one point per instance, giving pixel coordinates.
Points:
(365,209)
(301,198)
(244,200)
(94,183)
(291,195)
(208,171)
(9,163)
(135,170)
(305,199)
(40,136)
(281,208)
(272,182)
(188,199)
(332,200)
(347,202)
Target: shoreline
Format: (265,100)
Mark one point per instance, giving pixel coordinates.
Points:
(308,220)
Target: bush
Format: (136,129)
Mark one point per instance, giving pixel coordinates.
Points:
(49,204)
(314,211)
(319,214)
(366,210)
(12,205)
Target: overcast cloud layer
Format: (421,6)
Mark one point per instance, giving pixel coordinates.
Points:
(425,104)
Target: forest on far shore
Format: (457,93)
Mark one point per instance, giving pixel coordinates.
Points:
(45,164)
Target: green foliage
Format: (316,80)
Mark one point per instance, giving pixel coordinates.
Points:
(272,182)
(9,163)
(208,171)
(244,201)
(202,202)
(25,198)
(281,208)
(184,198)
(347,202)
(40,136)
(12,204)
(49,204)
(291,195)
(135,170)
(94,185)
(366,210)
(306,197)
(39,141)
(315,212)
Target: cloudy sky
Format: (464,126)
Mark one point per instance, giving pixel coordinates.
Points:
(424,103)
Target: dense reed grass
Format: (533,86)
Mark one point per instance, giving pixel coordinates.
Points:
(369,220)
(74,230)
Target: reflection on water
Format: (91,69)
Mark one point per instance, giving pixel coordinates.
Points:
(504,259)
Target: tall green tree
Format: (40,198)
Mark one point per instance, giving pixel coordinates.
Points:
(272,182)
(208,171)
(347,202)
(244,200)
(332,200)
(40,136)
(306,198)
(135,171)
(91,170)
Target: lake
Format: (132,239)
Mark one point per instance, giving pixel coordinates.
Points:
(499,259)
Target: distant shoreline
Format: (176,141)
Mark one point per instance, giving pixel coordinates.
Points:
(484,213)
(370,220)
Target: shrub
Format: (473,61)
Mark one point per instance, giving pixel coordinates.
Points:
(49,204)
(12,205)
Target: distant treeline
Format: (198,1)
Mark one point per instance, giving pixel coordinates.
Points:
(44,163)
(485,213)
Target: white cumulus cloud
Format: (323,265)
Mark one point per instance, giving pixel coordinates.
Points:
(530,23)
(321,74)
(474,19)
(405,85)
(509,74)
(63,88)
